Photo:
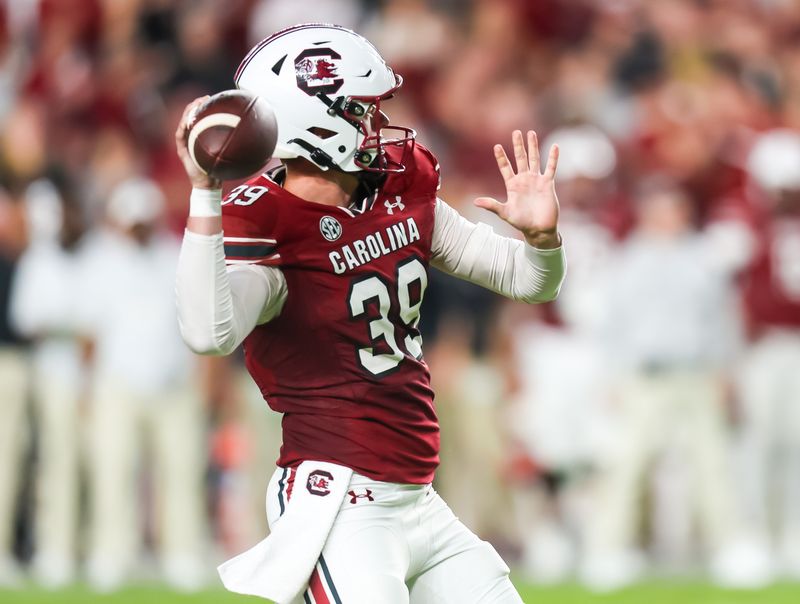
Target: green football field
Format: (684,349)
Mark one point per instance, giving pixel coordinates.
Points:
(647,593)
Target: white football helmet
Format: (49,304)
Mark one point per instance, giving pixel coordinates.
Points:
(326,83)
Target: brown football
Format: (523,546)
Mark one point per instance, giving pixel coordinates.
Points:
(233,135)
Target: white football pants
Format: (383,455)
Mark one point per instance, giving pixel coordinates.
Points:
(682,409)
(770,442)
(57,486)
(13,430)
(121,425)
(399,544)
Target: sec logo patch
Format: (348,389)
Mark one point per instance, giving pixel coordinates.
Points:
(330,228)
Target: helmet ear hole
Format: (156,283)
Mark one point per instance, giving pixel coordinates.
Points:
(322,133)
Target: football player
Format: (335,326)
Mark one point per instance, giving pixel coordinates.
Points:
(320,267)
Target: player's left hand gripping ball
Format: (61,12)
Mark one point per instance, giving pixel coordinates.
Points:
(232,134)
(531,205)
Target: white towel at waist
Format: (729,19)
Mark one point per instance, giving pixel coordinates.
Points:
(278,568)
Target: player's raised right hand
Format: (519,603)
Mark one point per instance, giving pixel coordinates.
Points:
(198,178)
(531,204)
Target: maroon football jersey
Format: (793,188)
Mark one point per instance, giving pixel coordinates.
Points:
(343,360)
(772,285)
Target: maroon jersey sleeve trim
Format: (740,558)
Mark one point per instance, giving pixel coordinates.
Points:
(250,250)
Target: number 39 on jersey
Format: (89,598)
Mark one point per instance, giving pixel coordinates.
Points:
(391,314)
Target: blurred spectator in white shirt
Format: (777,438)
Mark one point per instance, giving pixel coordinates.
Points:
(770,376)
(558,410)
(142,396)
(44,309)
(668,326)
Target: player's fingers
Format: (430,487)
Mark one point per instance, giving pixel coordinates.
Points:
(181,135)
(494,206)
(533,151)
(552,163)
(506,171)
(520,154)
(187,118)
(189,112)
(195,105)
(182,131)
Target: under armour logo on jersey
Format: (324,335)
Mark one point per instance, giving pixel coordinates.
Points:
(330,228)
(397,204)
(319,483)
(354,497)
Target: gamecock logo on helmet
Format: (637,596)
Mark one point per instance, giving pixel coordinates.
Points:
(316,71)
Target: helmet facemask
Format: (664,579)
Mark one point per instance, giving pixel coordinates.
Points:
(364,113)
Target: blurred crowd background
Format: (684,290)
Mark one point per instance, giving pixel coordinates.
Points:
(646,423)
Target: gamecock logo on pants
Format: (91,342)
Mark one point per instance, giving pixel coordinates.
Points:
(319,483)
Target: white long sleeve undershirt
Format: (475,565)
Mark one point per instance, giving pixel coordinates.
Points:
(219,305)
(509,267)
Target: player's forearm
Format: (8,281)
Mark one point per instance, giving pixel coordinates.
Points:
(507,266)
(205,212)
(538,273)
(216,310)
(205,304)
(204,226)
(510,267)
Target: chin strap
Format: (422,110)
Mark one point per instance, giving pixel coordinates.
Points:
(317,155)
(367,190)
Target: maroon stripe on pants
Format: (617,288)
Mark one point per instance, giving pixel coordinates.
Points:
(315,585)
(290,483)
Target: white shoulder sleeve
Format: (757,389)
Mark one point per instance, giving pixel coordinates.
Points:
(510,267)
(219,306)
